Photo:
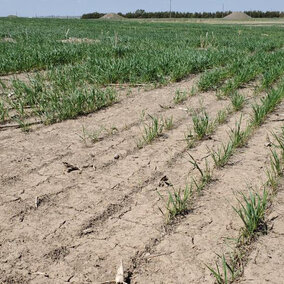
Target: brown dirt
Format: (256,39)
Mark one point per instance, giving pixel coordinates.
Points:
(112,16)
(61,226)
(238,16)
(79,40)
(8,39)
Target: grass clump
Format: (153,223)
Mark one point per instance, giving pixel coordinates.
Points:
(222,116)
(227,272)
(201,124)
(276,163)
(238,101)
(92,136)
(3,112)
(268,104)
(212,79)
(239,137)
(168,123)
(57,103)
(252,213)
(276,169)
(223,154)
(180,97)
(280,141)
(177,203)
(154,129)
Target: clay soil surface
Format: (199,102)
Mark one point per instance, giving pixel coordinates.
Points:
(72,210)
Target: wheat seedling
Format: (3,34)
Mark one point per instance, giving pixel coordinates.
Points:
(223,154)
(201,124)
(168,123)
(177,203)
(252,210)
(239,137)
(227,273)
(205,175)
(180,97)
(154,129)
(238,101)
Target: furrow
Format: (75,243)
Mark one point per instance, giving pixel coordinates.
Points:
(146,201)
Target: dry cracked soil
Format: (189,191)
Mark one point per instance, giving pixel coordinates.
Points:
(71,210)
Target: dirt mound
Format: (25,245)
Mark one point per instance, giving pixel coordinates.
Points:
(237,16)
(112,16)
(79,40)
(8,39)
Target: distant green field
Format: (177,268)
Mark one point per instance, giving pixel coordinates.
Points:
(130,52)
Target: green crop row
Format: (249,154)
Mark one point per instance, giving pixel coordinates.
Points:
(77,72)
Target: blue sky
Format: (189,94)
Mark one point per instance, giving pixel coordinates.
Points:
(78,7)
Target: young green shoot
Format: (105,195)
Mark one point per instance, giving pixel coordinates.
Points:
(180,97)
(177,202)
(223,154)
(252,213)
(154,129)
(205,175)
(238,101)
(201,124)
(228,271)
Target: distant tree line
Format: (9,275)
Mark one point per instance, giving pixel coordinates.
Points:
(268,14)
(143,14)
(94,15)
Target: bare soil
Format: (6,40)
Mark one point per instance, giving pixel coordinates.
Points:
(70,210)
(237,16)
(79,40)
(8,39)
(112,16)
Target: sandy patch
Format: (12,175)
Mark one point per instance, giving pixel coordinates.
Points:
(237,16)
(112,16)
(8,39)
(79,40)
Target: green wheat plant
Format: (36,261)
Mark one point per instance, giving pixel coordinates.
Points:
(222,155)
(201,124)
(3,112)
(238,101)
(177,202)
(205,175)
(180,96)
(222,116)
(168,123)
(252,213)
(154,129)
(276,169)
(237,136)
(92,136)
(268,104)
(225,273)
(280,141)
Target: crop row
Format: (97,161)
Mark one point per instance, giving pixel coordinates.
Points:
(37,44)
(77,73)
